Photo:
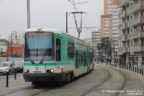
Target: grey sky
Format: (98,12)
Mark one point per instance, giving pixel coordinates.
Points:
(46,13)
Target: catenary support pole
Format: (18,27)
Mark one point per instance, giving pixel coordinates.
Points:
(28,14)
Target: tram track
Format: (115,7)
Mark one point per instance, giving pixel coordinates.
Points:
(95,86)
(39,91)
(11,92)
(111,79)
(124,83)
(100,84)
(29,88)
(119,88)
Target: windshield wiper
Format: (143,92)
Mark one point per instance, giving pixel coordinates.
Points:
(41,61)
(32,62)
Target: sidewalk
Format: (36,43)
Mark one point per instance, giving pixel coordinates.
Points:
(135,69)
(14,85)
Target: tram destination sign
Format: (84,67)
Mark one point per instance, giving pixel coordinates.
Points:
(41,34)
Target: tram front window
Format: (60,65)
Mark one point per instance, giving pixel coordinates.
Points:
(39,46)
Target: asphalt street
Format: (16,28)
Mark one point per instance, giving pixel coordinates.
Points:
(102,81)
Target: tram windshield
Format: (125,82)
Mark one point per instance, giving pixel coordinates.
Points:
(39,46)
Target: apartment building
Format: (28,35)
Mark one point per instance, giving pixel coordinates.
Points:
(132,32)
(96,39)
(16,38)
(110,24)
(106,25)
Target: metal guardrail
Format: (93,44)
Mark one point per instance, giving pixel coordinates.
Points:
(139,70)
(10,59)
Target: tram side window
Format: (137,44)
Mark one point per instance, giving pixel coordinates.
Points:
(58,50)
(89,57)
(81,58)
(85,58)
(70,50)
(77,59)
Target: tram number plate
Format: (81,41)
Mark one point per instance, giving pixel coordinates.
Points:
(37,71)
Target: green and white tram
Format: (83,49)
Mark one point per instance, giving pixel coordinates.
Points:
(51,55)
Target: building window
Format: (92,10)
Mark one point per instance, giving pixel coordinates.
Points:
(142,41)
(70,49)
(81,58)
(143,59)
(142,27)
(135,59)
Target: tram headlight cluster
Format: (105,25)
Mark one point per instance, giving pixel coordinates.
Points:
(50,71)
(26,71)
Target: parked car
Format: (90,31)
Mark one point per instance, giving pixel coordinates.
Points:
(7,67)
(19,66)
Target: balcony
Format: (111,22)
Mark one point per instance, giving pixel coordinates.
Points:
(142,4)
(122,14)
(136,35)
(137,48)
(122,50)
(122,38)
(123,2)
(135,21)
(127,25)
(123,26)
(135,7)
(142,19)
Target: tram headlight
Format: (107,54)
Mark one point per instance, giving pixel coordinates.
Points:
(26,71)
(51,70)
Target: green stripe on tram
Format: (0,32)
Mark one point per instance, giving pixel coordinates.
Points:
(48,64)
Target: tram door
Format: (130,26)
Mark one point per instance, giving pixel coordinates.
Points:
(58,49)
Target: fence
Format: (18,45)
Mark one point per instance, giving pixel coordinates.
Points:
(136,69)
(10,59)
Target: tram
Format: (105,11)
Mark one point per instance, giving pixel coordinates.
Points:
(54,56)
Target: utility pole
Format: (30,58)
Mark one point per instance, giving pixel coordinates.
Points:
(11,45)
(28,14)
(66,22)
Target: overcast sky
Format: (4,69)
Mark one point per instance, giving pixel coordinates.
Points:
(46,14)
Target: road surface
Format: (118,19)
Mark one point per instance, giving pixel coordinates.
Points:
(102,81)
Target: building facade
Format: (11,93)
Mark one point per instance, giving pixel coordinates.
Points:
(3,46)
(16,38)
(110,24)
(132,32)
(96,39)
